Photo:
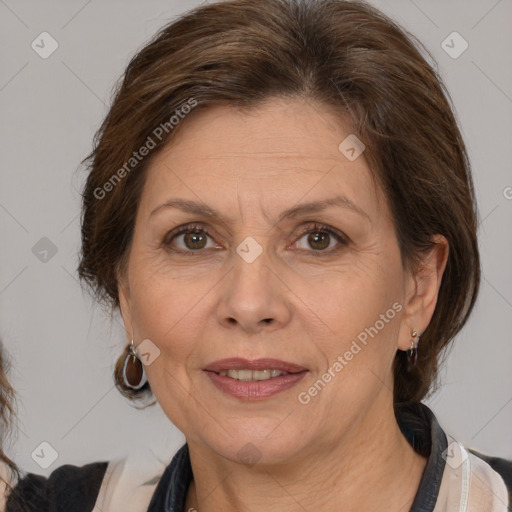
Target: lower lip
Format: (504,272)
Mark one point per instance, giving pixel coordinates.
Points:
(256,390)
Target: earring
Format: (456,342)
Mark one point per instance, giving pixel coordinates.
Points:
(412,353)
(134,376)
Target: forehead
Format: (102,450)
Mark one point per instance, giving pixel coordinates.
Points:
(279,153)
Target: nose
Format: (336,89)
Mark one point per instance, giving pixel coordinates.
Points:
(253,297)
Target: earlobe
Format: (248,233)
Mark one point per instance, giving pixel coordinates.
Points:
(423,290)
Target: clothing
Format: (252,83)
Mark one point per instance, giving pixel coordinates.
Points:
(455,479)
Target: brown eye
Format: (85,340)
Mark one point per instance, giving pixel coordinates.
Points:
(322,239)
(187,239)
(319,240)
(194,240)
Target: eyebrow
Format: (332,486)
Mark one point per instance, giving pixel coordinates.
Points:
(201,209)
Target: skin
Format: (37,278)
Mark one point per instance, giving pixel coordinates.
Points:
(201,307)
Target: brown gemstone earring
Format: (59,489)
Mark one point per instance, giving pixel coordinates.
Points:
(134,375)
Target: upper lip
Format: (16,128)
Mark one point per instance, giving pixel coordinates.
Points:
(237,363)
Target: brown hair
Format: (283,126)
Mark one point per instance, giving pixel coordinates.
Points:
(346,55)
(7,418)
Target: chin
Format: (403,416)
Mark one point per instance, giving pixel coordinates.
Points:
(258,447)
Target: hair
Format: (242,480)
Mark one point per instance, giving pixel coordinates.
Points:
(345,55)
(7,419)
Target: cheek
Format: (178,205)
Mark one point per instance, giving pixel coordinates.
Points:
(360,309)
(355,297)
(167,312)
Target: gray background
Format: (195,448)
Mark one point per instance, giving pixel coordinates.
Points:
(63,347)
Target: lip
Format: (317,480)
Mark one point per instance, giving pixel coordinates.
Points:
(237,363)
(256,390)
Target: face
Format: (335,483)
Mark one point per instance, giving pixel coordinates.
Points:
(317,292)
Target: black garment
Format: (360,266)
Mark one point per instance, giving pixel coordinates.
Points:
(67,489)
(74,489)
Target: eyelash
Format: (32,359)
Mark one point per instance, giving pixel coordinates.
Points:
(198,228)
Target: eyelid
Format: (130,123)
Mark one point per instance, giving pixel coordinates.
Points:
(317,227)
(183,229)
(310,227)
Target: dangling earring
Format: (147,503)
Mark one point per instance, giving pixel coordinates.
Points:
(412,353)
(134,375)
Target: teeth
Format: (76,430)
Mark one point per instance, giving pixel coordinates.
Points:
(250,375)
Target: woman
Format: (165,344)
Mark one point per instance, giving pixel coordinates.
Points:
(280,204)
(8,469)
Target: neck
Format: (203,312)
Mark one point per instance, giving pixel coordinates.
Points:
(373,456)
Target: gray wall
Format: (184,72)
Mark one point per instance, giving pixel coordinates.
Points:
(63,347)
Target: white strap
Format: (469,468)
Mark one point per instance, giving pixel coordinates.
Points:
(466,475)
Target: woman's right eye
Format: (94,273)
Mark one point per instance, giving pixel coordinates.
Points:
(187,239)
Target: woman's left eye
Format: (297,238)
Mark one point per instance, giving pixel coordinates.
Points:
(195,237)
(320,238)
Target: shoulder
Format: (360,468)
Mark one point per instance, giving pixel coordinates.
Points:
(68,488)
(456,476)
(481,481)
(120,484)
(502,467)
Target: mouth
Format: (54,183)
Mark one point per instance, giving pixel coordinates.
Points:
(246,375)
(258,369)
(253,380)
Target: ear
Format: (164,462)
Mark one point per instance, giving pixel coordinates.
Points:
(422,289)
(123,291)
